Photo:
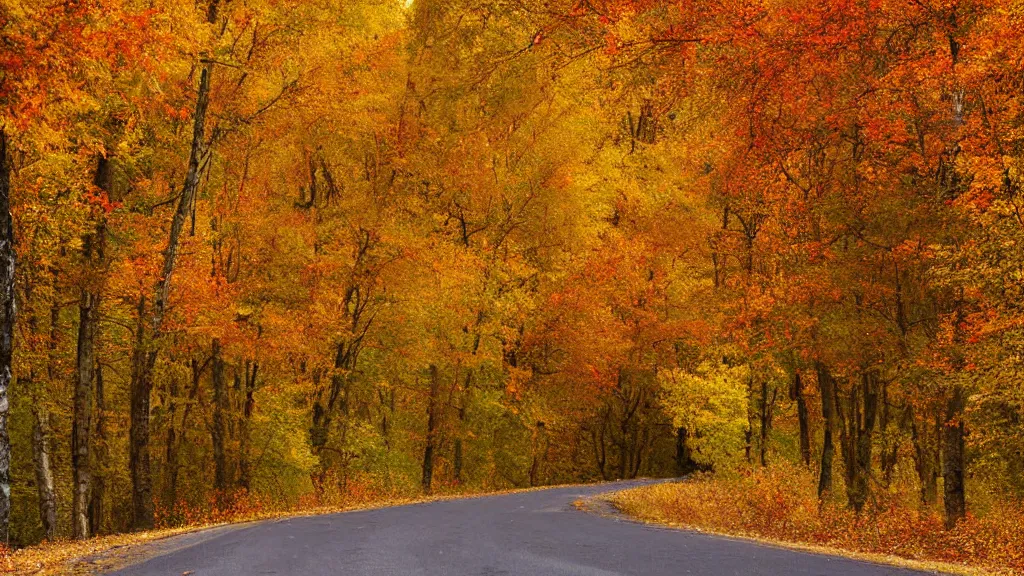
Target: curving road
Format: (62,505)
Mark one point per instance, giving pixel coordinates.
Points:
(535,533)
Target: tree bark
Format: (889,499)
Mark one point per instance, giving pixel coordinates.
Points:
(99,488)
(925,451)
(85,363)
(827,387)
(857,425)
(765,417)
(170,495)
(220,405)
(540,438)
(801,415)
(432,421)
(245,440)
(954,497)
(869,389)
(44,472)
(144,358)
(138,432)
(7,265)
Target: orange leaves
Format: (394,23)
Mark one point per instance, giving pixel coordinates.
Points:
(780,504)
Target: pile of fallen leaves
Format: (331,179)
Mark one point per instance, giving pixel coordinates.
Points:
(781,505)
(59,557)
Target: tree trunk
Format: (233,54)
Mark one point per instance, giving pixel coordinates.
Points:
(432,421)
(138,432)
(220,405)
(953,459)
(925,450)
(7,264)
(827,387)
(765,417)
(245,440)
(96,511)
(85,364)
(801,415)
(857,427)
(144,358)
(170,495)
(890,442)
(539,439)
(44,473)
(457,456)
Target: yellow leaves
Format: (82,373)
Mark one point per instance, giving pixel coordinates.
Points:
(711,404)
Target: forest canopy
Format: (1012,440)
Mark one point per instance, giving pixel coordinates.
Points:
(286,253)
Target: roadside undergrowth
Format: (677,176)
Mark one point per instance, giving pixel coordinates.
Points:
(776,506)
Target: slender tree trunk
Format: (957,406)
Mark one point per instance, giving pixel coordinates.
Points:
(7,264)
(138,433)
(220,405)
(82,418)
(828,402)
(765,417)
(85,364)
(457,456)
(144,358)
(44,473)
(926,446)
(861,431)
(748,434)
(953,459)
(801,415)
(245,440)
(99,485)
(432,421)
(539,439)
(171,449)
(890,444)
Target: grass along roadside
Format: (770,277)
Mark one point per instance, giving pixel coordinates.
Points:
(771,507)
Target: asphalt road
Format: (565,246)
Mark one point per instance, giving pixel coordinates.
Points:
(535,533)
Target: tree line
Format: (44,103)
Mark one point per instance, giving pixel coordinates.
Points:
(273,252)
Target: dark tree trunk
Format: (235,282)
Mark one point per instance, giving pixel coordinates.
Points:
(432,422)
(245,440)
(801,415)
(171,449)
(540,448)
(828,402)
(684,455)
(767,408)
(145,354)
(99,484)
(44,473)
(138,432)
(457,456)
(597,436)
(217,431)
(890,441)
(857,425)
(85,362)
(869,389)
(953,459)
(926,448)
(7,264)
(748,435)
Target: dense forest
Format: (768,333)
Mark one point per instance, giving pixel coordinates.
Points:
(285,253)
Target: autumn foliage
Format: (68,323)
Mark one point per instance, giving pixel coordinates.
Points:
(272,254)
(781,505)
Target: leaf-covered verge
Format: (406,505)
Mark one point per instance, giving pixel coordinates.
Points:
(779,506)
